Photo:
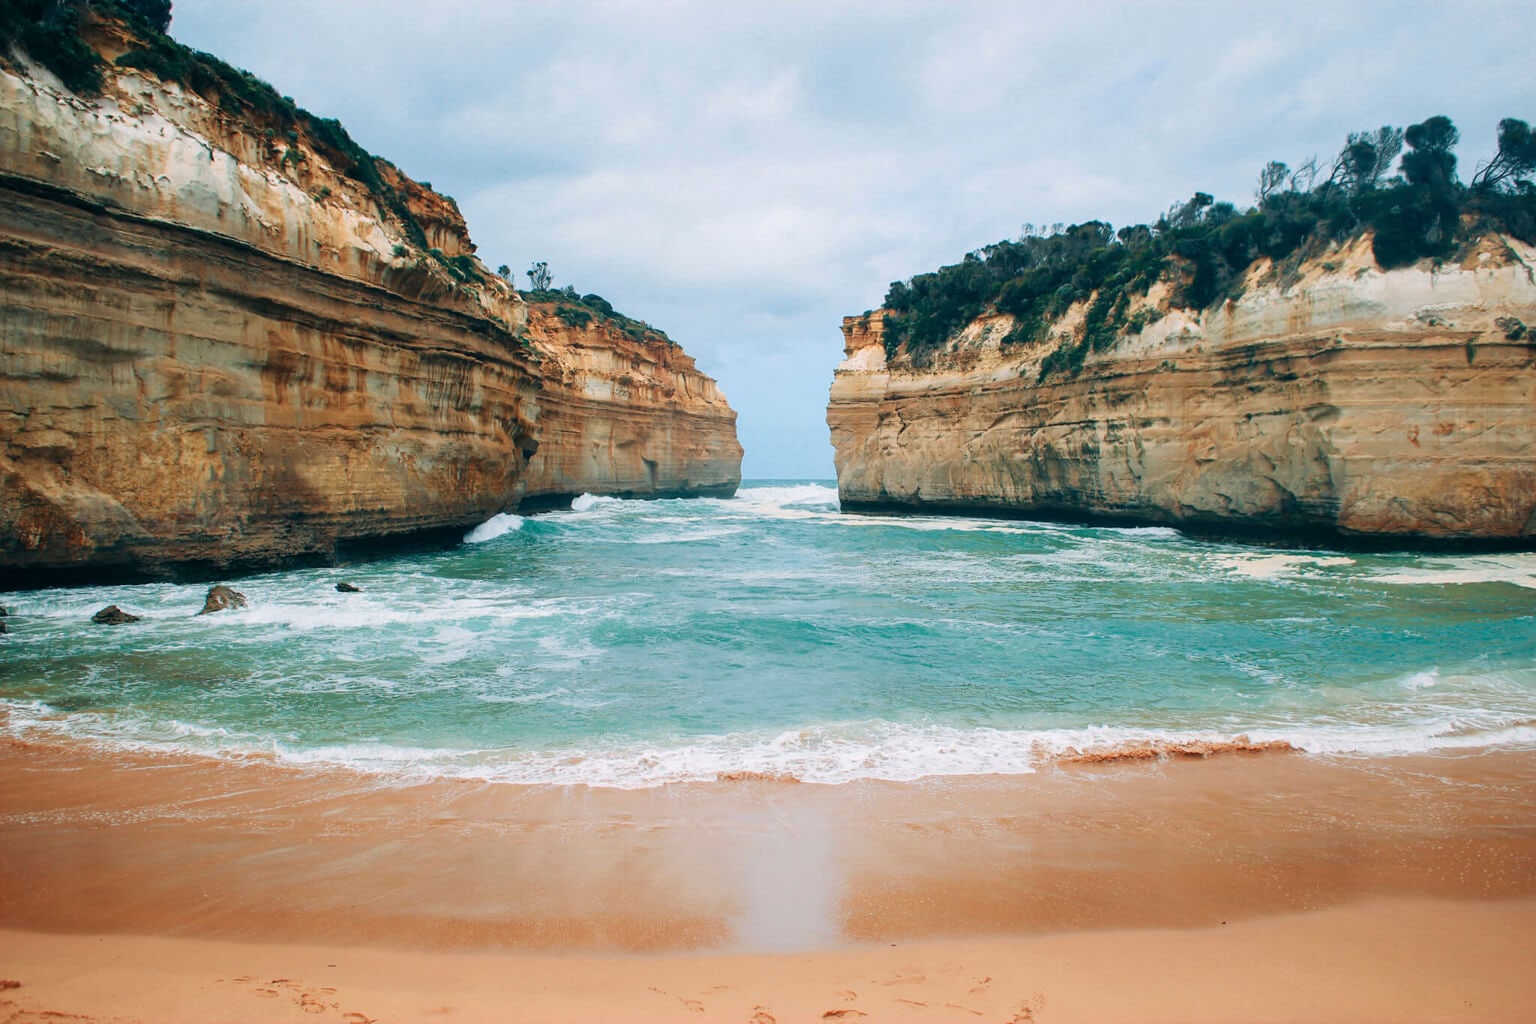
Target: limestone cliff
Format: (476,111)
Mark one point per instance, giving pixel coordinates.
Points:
(1335,401)
(625,415)
(226,345)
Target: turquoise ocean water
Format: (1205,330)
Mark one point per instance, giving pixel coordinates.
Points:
(632,643)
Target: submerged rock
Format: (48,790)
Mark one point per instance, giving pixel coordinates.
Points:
(222,598)
(348,588)
(4,611)
(112,615)
(3,630)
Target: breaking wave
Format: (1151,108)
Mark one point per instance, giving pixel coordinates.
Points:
(830,754)
(770,637)
(497,526)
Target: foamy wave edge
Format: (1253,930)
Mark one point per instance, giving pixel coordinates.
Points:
(498,525)
(831,754)
(786,494)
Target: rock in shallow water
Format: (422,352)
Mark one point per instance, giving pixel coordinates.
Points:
(222,598)
(112,615)
(348,588)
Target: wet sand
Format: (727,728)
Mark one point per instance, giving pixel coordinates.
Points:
(1262,886)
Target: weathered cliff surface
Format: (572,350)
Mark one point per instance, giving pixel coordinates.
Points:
(1340,402)
(220,349)
(625,416)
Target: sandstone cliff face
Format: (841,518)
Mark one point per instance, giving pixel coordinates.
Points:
(1347,402)
(626,417)
(217,355)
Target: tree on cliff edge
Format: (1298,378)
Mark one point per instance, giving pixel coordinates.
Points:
(1431,160)
(1514,163)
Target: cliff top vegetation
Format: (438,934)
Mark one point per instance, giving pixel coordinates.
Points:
(579,311)
(63,36)
(1204,247)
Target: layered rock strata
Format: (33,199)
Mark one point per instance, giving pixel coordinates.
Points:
(624,415)
(1339,402)
(219,352)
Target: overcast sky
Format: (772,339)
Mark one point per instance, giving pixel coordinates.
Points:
(744,175)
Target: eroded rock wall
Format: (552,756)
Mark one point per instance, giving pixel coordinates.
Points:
(1344,402)
(626,416)
(170,397)
(215,355)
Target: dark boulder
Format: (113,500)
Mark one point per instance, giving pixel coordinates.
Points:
(222,598)
(112,615)
(349,588)
(4,611)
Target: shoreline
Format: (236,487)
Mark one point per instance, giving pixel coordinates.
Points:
(112,841)
(1269,862)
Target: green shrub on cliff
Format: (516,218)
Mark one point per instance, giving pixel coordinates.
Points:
(574,316)
(155,13)
(580,311)
(55,34)
(49,32)
(462,266)
(1202,247)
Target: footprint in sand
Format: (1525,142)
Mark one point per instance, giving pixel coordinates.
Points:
(1027,1010)
(981,986)
(692,1004)
(313,1001)
(847,995)
(843,1014)
(12,1013)
(760,1015)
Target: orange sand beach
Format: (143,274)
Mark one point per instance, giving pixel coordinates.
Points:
(1249,886)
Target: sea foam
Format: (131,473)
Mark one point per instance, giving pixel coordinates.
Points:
(587,502)
(498,525)
(641,643)
(1519,570)
(830,754)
